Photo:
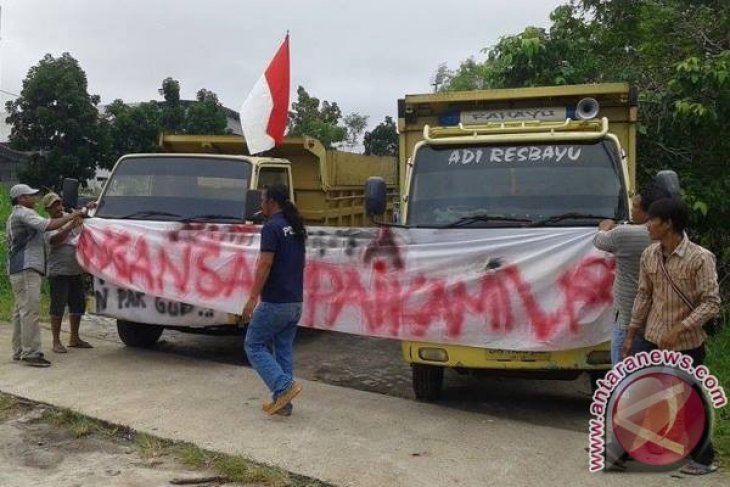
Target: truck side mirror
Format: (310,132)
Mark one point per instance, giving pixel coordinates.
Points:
(70,193)
(253,206)
(375,197)
(669,181)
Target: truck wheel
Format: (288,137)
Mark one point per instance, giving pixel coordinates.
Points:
(138,335)
(428,381)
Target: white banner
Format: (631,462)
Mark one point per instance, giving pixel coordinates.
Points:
(118,302)
(530,289)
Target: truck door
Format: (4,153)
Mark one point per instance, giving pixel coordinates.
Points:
(270,174)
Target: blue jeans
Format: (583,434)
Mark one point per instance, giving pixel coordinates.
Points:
(617,343)
(270,343)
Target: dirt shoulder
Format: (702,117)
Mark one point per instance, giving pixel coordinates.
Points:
(45,446)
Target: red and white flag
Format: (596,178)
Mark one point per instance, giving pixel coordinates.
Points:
(265,111)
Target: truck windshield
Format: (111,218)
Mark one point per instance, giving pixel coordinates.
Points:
(509,185)
(176,188)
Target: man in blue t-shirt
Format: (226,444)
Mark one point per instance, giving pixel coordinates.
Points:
(279,283)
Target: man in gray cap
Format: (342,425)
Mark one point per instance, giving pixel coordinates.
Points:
(26,265)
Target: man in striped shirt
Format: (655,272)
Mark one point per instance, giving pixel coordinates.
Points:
(626,243)
(666,320)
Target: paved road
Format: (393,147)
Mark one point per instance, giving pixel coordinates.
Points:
(375,365)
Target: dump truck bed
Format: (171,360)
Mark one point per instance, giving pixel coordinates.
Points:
(328,184)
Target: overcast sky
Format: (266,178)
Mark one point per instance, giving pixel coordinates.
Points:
(363,55)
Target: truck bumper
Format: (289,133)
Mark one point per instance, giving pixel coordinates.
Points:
(456,356)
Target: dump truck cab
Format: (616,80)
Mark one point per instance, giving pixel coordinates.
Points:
(174,187)
(200,180)
(544,157)
(179,189)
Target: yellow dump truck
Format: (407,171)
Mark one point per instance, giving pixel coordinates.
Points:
(513,122)
(208,179)
(327,184)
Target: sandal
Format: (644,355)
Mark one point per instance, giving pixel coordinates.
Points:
(694,468)
(80,344)
(285,398)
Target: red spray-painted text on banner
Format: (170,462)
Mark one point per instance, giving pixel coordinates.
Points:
(517,289)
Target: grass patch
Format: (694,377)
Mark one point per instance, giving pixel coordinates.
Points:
(149,446)
(6,294)
(233,468)
(192,456)
(8,404)
(79,426)
(237,469)
(718,361)
(11,406)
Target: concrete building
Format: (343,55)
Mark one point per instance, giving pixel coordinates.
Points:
(11,162)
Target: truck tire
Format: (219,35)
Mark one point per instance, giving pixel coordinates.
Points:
(138,335)
(428,382)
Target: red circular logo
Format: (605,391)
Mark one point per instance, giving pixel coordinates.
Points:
(659,418)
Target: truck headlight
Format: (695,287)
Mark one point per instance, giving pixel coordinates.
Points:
(433,354)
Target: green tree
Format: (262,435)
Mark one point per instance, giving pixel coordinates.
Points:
(131,128)
(137,128)
(355,125)
(307,117)
(563,54)
(676,53)
(383,140)
(205,115)
(173,113)
(55,118)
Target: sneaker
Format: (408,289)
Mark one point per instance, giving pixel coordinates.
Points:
(694,468)
(286,397)
(38,361)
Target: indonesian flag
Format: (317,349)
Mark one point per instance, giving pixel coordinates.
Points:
(264,113)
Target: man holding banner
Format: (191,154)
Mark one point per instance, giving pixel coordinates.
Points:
(626,243)
(65,276)
(25,231)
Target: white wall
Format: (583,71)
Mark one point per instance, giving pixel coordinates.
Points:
(4,127)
